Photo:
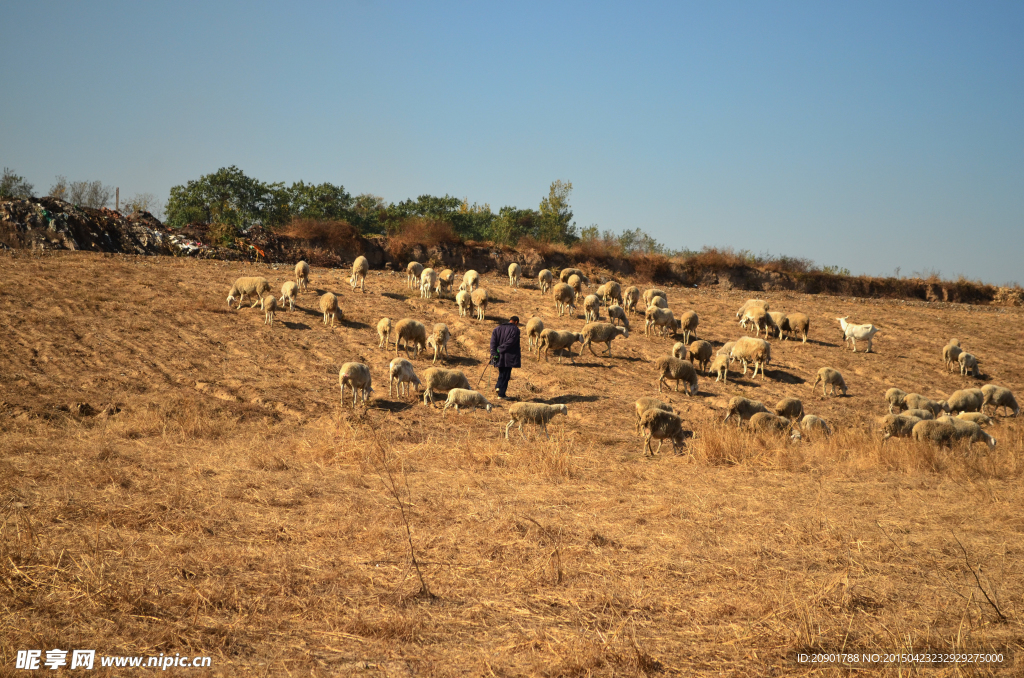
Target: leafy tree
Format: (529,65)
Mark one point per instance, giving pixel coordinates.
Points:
(513,223)
(325,201)
(142,202)
(556,215)
(228,197)
(15,186)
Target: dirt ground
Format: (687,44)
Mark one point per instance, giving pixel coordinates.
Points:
(178,477)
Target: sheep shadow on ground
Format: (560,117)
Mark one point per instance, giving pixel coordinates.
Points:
(392,405)
(353,324)
(295,326)
(394,295)
(563,399)
(461,360)
(786,377)
(579,363)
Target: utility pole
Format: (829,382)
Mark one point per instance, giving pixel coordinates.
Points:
(117,199)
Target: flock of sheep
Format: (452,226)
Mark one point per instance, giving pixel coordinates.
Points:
(924,419)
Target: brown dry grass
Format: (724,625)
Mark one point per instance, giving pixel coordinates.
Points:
(229,507)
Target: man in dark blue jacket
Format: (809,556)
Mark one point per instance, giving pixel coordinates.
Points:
(505,352)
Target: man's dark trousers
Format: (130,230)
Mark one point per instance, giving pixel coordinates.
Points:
(505,354)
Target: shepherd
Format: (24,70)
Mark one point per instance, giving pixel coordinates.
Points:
(505,353)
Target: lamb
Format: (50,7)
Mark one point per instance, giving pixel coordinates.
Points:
(534,413)
(534,327)
(751,303)
(544,280)
(439,341)
(269,305)
(700,354)
(630,297)
(480,299)
(460,397)
(357,376)
(412,274)
(601,333)
(470,281)
(646,403)
(565,299)
(554,340)
(464,303)
(999,396)
(939,433)
(657,302)
(766,422)
(329,307)
(360,267)
(829,377)
(852,333)
(951,354)
(428,280)
(898,426)
(442,380)
(662,426)
(813,424)
(679,350)
(791,408)
(752,350)
(661,318)
(384,333)
(796,323)
(976,417)
(514,273)
(401,371)
(652,292)
(288,292)
(965,400)
(302,276)
(895,397)
(411,332)
(913,401)
(567,273)
(968,364)
(679,370)
(591,308)
(688,325)
(616,312)
(248,286)
(720,368)
(444,281)
(609,291)
(744,409)
(576,283)
(757,318)
(920,414)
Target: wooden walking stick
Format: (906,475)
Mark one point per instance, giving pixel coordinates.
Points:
(486,368)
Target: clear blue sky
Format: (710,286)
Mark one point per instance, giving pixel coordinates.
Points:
(867,134)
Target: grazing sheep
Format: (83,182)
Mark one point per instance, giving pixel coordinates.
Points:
(852,333)
(357,376)
(939,433)
(464,303)
(968,364)
(965,400)
(445,280)
(248,286)
(688,325)
(428,280)
(652,292)
(969,431)
(720,368)
(401,372)
(920,414)
(412,274)
(576,283)
(384,333)
(766,422)
(630,296)
(813,424)
(700,354)
(951,354)
(829,377)
(726,348)
(288,292)
(554,340)
(796,323)
(567,273)
(977,417)
(744,409)
(515,272)
(895,397)
(601,333)
(565,299)
(534,326)
(657,302)
(757,318)
(470,281)
(646,403)
(898,426)
(914,401)
(439,341)
(544,281)
(616,312)
(610,291)
(752,350)
(791,408)
(480,299)
(999,396)
(360,267)
(329,307)
(460,397)
(662,318)
(411,332)
(442,380)
(661,426)
(302,275)
(678,370)
(534,413)
(751,303)
(679,350)
(591,308)
(778,319)
(269,305)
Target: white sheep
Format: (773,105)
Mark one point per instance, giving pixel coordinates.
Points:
(651,293)
(914,401)
(544,280)
(428,279)
(445,280)
(778,319)
(384,333)
(999,396)
(647,403)
(442,380)
(616,312)
(895,398)
(534,413)
(567,273)
(601,333)
(288,292)
(813,424)
(720,368)
(791,408)
(766,422)
(515,272)
(464,303)
(968,364)
(411,332)
(268,305)
(750,303)
(852,333)
(534,326)
(480,299)
(565,299)
(726,349)
(438,341)
(700,354)
(920,414)
(412,274)
(360,267)
(555,340)
(743,409)
(829,377)
(965,400)
(630,297)
(688,325)
(940,433)
(400,372)
(754,351)
(977,417)
(248,286)
(679,350)
(357,376)
(677,370)
(660,425)
(470,281)
(657,302)
(591,308)
(576,283)
(329,307)
(662,318)
(302,275)
(951,354)
(610,291)
(757,318)
(796,323)
(460,397)
(966,431)
(898,426)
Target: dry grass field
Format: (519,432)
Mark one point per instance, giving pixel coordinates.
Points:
(176,477)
